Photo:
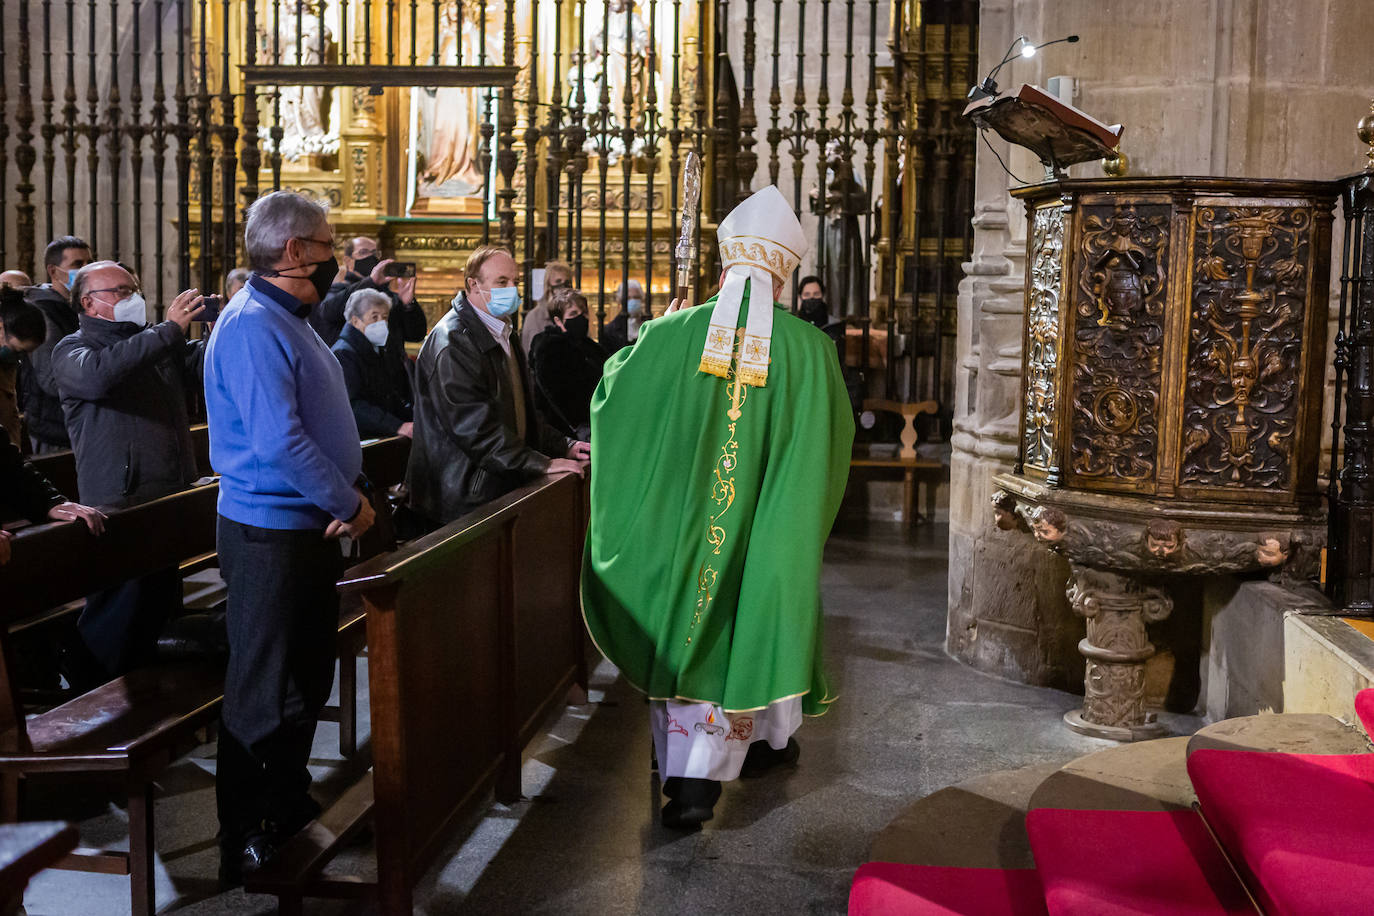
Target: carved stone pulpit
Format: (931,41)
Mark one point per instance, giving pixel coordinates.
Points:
(1173,374)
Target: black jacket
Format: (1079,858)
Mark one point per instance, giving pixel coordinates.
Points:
(616,335)
(378,386)
(24,492)
(566,371)
(123,392)
(406,319)
(466,451)
(42,402)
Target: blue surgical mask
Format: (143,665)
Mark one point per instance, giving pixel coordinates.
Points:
(634,306)
(503,301)
(71,277)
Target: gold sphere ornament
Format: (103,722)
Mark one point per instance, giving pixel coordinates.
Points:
(1365,131)
(1116,166)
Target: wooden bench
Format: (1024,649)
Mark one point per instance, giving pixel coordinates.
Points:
(497,656)
(60,467)
(25,850)
(129,730)
(916,471)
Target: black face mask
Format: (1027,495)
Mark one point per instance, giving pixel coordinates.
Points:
(577,327)
(365,266)
(814,311)
(323,277)
(8,358)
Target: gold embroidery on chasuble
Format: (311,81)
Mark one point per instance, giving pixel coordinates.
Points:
(722,498)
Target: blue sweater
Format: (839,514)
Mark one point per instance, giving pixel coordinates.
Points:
(282,434)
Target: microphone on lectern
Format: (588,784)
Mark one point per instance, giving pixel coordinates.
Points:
(1020,47)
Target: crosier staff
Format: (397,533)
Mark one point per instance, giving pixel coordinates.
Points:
(687,239)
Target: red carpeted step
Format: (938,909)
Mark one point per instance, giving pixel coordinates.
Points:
(1299,826)
(1364,708)
(1099,863)
(892,889)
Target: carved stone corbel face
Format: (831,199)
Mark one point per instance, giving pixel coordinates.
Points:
(1004,510)
(1164,538)
(1049,525)
(1270,552)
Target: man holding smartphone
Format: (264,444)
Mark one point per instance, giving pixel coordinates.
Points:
(364,268)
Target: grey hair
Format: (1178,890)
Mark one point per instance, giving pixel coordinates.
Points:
(275,219)
(238,275)
(624,292)
(364,299)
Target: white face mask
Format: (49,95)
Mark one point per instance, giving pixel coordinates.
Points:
(133,310)
(376,333)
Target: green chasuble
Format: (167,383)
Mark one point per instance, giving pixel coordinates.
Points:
(710,506)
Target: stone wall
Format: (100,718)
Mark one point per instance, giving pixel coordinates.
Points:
(1244,88)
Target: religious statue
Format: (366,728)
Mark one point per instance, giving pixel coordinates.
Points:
(451,167)
(617,57)
(842,245)
(305,122)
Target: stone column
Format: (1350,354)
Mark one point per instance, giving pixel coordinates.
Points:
(1116,606)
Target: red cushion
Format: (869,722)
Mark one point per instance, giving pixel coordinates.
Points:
(890,889)
(1364,708)
(1299,826)
(1097,863)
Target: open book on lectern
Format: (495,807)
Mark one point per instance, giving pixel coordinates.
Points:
(1059,134)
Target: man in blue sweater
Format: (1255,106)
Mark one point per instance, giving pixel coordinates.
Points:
(283,439)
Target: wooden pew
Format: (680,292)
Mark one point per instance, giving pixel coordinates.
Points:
(915,471)
(479,622)
(60,467)
(129,730)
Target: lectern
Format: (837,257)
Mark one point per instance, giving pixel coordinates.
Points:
(1171,399)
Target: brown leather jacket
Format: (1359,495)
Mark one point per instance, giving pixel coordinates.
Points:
(466,451)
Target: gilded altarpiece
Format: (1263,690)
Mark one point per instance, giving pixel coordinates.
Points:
(1118,332)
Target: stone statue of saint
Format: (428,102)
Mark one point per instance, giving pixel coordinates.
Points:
(455,129)
(305,123)
(617,57)
(846,263)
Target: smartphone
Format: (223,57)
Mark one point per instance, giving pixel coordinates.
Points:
(211,312)
(403,269)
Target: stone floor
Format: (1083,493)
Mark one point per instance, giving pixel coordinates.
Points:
(909,721)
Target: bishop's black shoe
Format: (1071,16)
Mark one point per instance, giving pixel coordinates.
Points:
(762,757)
(693,803)
(239,858)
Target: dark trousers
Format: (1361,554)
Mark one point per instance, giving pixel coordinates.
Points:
(120,626)
(283,621)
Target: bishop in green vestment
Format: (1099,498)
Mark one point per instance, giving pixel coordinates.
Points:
(722,443)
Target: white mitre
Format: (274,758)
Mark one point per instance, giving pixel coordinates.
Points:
(760,240)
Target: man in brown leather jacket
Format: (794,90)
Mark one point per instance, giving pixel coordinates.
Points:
(477,435)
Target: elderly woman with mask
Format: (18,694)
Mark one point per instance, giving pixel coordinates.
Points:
(375,375)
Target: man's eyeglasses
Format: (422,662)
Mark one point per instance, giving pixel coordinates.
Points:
(123,292)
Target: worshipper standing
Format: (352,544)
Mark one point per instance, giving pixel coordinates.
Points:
(234,281)
(566,365)
(477,433)
(123,388)
(22,330)
(15,279)
(557,275)
(62,258)
(715,613)
(364,268)
(623,330)
(375,376)
(283,439)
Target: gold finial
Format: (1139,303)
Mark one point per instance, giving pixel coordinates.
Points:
(1117,165)
(1365,130)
